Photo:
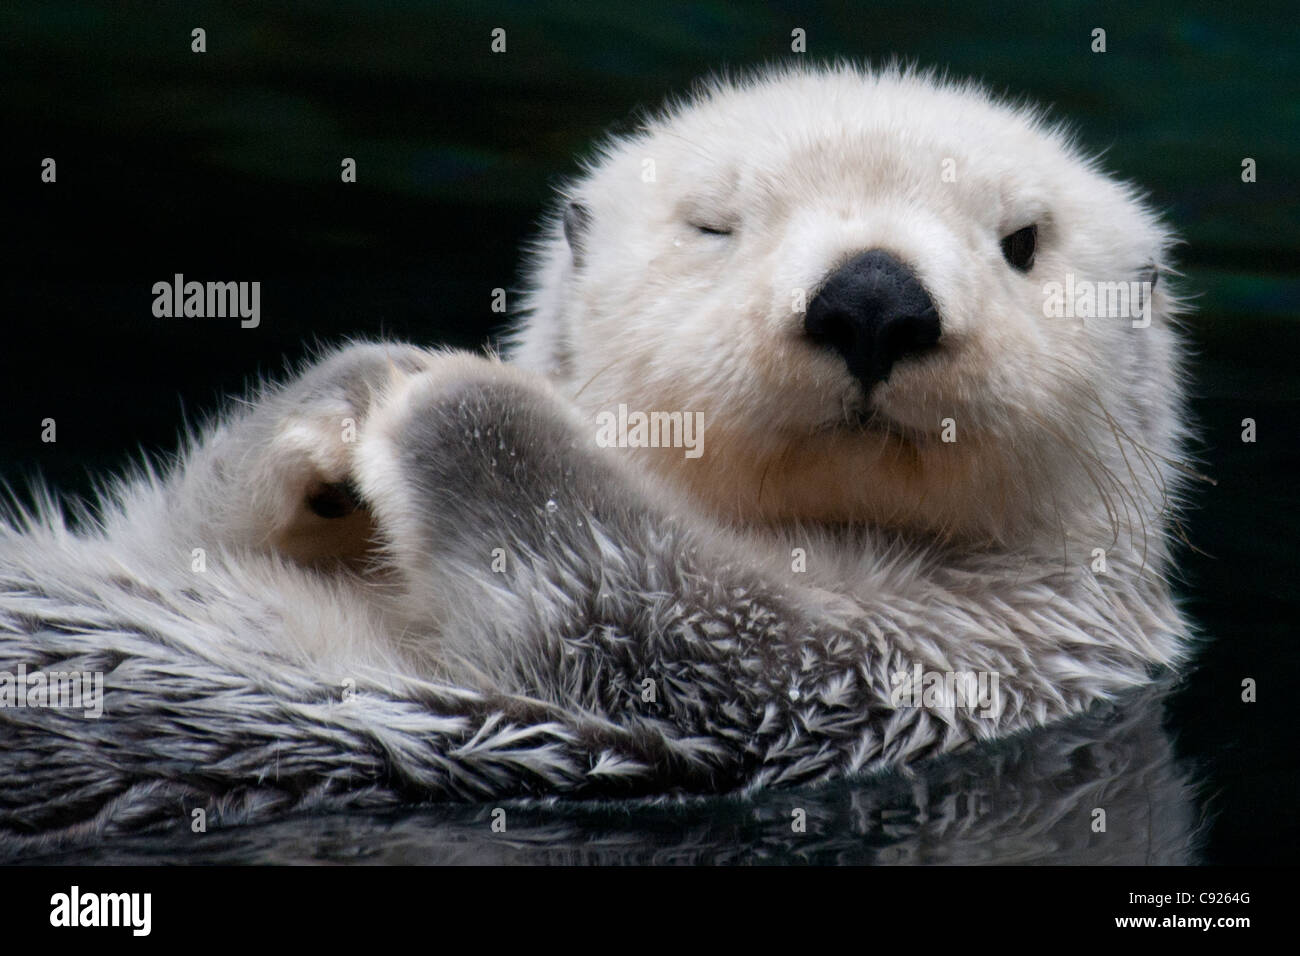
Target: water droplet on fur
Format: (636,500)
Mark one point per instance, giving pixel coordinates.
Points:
(551,506)
(794,693)
(477,433)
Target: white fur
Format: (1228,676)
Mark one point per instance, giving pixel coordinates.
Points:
(811,167)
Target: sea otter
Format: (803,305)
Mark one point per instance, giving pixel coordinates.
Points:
(917,508)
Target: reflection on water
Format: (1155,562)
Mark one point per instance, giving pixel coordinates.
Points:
(1032,799)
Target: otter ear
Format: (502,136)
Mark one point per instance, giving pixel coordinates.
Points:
(577,219)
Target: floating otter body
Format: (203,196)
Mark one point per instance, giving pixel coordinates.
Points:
(879,502)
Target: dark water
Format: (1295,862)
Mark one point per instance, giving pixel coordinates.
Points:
(225,165)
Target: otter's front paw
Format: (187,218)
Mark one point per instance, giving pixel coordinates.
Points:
(473,452)
(284,473)
(371,445)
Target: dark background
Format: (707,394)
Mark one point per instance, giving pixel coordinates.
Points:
(225,166)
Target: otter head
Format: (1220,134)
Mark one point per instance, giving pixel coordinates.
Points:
(894,301)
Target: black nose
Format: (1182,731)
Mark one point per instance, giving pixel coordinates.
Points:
(873,311)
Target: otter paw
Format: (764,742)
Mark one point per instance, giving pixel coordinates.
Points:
(292,460)
(474,450)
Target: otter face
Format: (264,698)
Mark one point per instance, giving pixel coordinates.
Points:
(872,286)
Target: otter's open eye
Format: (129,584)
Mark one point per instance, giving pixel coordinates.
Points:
(1018,248)
(710,230)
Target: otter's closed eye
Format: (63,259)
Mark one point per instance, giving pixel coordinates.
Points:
(1019,247)
(711,230)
